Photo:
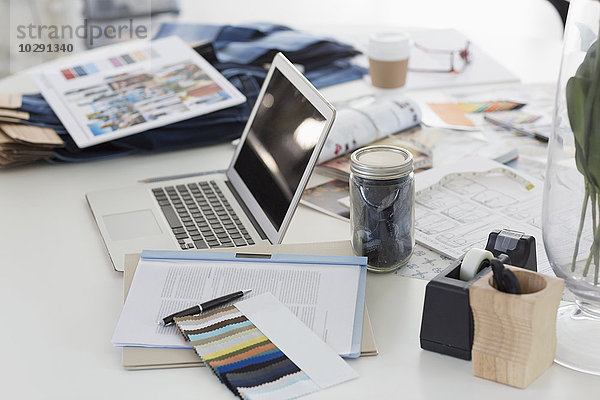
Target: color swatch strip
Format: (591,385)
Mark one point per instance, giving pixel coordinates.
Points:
(490,106)
(518,118)
(91,68)
(242,357)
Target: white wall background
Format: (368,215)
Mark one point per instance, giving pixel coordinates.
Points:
(514,18)
(480,20)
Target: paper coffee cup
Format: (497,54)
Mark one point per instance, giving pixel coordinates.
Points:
(388,59)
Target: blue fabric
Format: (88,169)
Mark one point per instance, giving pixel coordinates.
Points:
(242,52)
(189,32)
(270,355)
(259,374)
(249,47)
(284,41)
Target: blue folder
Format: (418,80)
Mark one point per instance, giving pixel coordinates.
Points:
(360,262)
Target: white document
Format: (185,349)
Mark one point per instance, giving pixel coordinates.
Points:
(125,89)
(456,207)
(296,341)
(322,296)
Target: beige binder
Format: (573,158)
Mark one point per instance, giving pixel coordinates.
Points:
(150,358)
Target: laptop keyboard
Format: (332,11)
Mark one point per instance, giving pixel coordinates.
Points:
(200,216)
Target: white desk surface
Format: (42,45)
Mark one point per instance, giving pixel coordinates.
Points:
(60,298)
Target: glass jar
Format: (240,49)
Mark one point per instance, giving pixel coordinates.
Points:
(382,197)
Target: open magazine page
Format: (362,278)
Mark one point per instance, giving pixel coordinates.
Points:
(127,89)
(356,127)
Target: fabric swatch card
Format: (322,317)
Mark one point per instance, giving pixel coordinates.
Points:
(260,350)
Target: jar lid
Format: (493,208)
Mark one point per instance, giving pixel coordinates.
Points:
(381,162)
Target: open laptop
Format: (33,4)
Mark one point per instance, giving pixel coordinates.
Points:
(252,202)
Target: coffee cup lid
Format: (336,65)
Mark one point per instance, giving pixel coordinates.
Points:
(389,46)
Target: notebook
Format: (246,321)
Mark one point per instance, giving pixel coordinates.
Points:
(252,202)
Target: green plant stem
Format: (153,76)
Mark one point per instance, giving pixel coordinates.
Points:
(596,244)
(596,267)
(593,251)
(588,261)
(595,232)
(581,223)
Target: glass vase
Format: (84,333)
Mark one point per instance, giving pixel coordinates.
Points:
(571,210)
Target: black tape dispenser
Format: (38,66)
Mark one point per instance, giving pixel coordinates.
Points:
(447,323)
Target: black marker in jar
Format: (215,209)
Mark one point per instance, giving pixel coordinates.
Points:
(382,195)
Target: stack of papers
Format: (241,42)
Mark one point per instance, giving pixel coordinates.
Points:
(325,292)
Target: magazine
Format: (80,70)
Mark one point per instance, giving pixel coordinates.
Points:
(356,127)
(125,89)
(326,198)
(419,141)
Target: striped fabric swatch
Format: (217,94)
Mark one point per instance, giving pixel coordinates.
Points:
(242,357)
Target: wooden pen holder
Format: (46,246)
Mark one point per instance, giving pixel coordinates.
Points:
(514,335)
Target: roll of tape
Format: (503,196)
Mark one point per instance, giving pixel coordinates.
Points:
(471,262)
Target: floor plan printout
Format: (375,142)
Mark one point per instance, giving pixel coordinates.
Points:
(458,206)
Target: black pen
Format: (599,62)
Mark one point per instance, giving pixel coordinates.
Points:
(522,131)
(194,310)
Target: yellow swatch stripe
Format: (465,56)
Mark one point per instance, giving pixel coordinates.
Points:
(208,357)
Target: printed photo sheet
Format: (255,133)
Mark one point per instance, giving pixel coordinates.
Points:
(126,89)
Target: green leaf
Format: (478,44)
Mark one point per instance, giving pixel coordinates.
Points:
(576,93)
(580,161)
(593,155)
(586,69)
(583,109)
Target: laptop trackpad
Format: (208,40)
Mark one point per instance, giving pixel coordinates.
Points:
(131,225)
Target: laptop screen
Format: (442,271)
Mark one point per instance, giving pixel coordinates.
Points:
(278,147)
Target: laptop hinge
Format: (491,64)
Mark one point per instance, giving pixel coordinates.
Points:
(261,233)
